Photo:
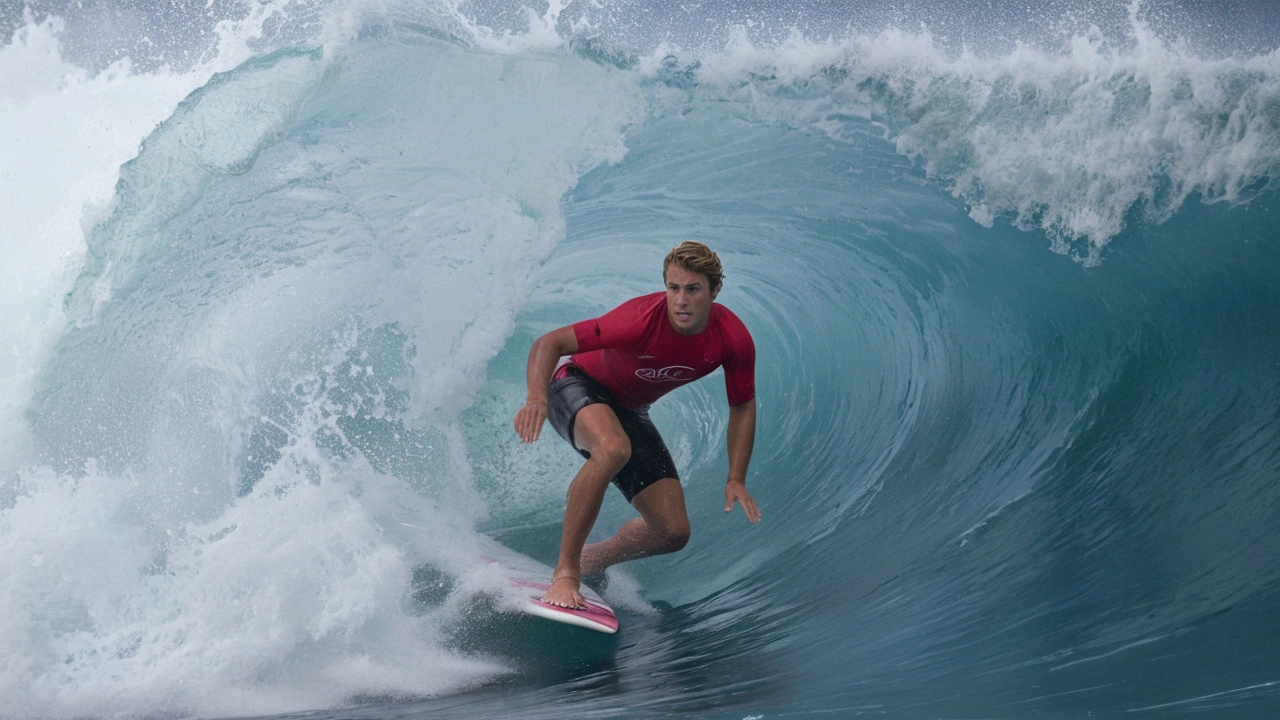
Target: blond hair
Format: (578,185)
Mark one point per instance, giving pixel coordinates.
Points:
(692,256)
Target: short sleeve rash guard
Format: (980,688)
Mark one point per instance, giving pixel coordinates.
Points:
(635,353)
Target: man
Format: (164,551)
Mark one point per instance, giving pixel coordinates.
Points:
(598,400)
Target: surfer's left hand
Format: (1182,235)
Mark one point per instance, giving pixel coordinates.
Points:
(736,492)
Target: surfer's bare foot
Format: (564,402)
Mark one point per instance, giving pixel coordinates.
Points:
(564,593)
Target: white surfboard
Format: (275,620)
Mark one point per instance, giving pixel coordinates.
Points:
(532,578)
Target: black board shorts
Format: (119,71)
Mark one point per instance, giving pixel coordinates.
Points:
(571,390)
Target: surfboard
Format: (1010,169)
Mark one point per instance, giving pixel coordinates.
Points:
(530,580)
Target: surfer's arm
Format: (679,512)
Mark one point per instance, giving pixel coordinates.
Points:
(543,356)
(741,440)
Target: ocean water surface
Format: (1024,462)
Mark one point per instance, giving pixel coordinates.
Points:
(271,271)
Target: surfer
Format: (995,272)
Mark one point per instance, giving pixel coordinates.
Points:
(595,380)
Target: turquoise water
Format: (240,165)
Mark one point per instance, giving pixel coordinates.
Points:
(1015,308)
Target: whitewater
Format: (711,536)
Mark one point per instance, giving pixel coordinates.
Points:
(271,271)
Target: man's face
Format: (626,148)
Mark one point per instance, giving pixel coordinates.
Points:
(689,297)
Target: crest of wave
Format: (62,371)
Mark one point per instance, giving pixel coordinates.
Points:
(1075,142)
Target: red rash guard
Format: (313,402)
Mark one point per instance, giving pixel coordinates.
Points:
(635,353)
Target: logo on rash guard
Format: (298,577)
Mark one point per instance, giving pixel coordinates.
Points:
(673,373)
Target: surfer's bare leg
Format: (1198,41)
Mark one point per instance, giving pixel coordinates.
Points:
(663,527)
(596,430)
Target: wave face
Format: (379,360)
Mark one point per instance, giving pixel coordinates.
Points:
(1015,310)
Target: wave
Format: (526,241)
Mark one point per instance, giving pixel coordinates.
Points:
(1074,143)
(265,370)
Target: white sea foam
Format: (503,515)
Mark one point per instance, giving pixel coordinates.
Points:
(287,600)
(1069,142)
(64,133)
(286,324)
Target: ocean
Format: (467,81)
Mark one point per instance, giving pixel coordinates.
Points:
(272,269)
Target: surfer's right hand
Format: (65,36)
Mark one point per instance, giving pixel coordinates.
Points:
(529,420)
